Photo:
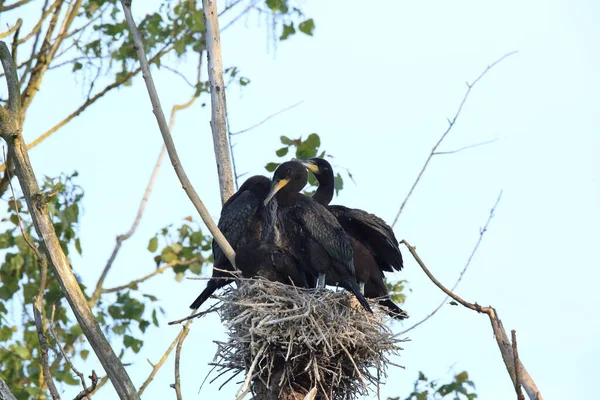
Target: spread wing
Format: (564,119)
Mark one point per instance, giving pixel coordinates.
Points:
(373,232)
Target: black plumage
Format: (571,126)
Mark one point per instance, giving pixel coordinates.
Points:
(271,262)
(242,219)
(312,233)
(375,246)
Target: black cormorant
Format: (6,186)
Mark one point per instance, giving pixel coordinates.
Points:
(271,262)
(312,233)
(375,246)
(242,218)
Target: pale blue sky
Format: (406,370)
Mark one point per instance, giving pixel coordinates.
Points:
(378,81)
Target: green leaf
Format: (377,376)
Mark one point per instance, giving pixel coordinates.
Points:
(78,245)
(133,343)
(271,166)
(453,303)
(22,352)
(307,26)
(154,318)
(5,333)
(77,66)
(282,151)
(84,354)
(338,183)
(5,240)
(153,244)
(286,140)
(72,213)
(462,377)
(288,30)
(196,268)
(120,329)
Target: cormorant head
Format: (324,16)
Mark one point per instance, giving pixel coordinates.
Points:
(290,175)
(257,184)
(319,167)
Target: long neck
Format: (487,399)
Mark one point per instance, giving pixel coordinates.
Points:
(324,193)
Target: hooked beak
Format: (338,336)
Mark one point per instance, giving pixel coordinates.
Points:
(276,187)
(309,165)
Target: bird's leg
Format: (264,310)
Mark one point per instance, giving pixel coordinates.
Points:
(362,288)
(321,280)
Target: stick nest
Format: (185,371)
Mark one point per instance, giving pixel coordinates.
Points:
(289,341)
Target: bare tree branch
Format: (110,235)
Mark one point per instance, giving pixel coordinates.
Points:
(5,393)
(218,121)
(14,5)
(163,359)
(482,231)
(121,238)
(267,118)
(439,153)
(164,130)
(182,337)
(12,29)
(39,299)
(94,378)
(450,126)
(10,130)
(157,271)
(499,332)
(517,366)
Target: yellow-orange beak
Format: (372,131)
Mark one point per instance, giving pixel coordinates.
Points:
(276,187)
(309,165)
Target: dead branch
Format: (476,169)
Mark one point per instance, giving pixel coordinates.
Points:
(5,393)
(177,385)
(499,333)
(451,124)
(163,359)
(164,130)
(482,231)
(14,5)
(10,130)
(121,238)
(517,366)
(157,271)
(94,378)
(218,121)
(12,29)
(256,125)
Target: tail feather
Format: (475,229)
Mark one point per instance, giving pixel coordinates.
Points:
(211,287)
(392,309)
(355,289)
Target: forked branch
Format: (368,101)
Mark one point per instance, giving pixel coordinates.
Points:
(451,124)
(499,333)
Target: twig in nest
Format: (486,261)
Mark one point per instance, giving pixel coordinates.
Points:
(289,341)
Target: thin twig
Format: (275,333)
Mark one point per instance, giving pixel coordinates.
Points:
(450,126)
(121,238)
(515,350)
(85,393)
(462,273)
(267,118)
(164,130)
(182,337)
(499,332)
(439,153)
(211,309)
(161,362)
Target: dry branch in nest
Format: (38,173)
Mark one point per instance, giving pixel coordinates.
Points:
(289,340)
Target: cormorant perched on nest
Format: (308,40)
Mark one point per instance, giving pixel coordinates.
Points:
(271,262)
(243,218)
(312,233)
(375,246)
